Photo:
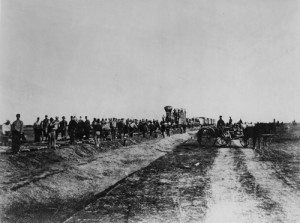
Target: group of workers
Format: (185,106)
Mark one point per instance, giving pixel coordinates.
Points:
(221,124)
(15,131)
(78,129)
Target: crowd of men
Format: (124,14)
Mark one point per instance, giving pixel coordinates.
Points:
(78,129)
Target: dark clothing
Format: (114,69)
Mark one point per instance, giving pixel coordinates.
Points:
(184,128)
(72,130)
(17,130)
(151,128)
(120,127)
(220,123)
(94,125)
(143,128)
(98,129)
(37,135)
(16,141)
(80,129)
(87,129)
(168,128)
(113,132)
(45,124)
(37,131)
(63,128)
(163,129)
(125,129)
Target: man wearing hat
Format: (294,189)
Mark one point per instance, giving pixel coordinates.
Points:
(80,128)
(52,133)
(220,123)
(17,131)
(45,127)
(87,128)
(72,129)
(63,128)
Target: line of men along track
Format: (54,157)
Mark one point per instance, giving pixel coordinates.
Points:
(100,130)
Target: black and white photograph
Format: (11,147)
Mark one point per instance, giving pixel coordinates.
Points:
(150,111)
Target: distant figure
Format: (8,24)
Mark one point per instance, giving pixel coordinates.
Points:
(63,128)
(120,127)
(163,128)
(143,127)
(94,124)
(230,121)
(113,128)
(184,126)
(6,131)
(45,127)
(151,128)
(37,130)
(17,131)
(72,129)
(56,128)
(52,133)
(168,128)
(105,130)
(80,128)
(240,123)
(97,128)
(87,128)
(220,123)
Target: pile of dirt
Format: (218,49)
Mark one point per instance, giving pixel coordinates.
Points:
(50,185)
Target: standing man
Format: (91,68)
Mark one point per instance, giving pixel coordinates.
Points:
(51,133)
(45,127)
(230,121)
(94,124)
(17,131)
(151,128)
(72,129)
(184,125)
(120,127)
(87,128)
(220,123)
(113,128)
(80,128)
(97,130)
(56,128)
(63,128)
(168,128)
(37,130)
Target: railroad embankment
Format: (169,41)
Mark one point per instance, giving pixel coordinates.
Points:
(53,184)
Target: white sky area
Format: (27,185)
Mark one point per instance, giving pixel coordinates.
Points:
(117,58)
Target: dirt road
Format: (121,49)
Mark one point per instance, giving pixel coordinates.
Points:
(192,184)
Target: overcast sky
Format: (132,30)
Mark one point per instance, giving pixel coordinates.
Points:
(118,58)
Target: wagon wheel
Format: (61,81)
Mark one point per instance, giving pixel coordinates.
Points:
(220,141)
(206,138)
(244,142)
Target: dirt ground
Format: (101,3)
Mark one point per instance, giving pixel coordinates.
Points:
(185,183)
(193,184)
(50,185)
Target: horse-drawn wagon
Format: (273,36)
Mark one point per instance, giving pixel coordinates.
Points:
(209,136)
